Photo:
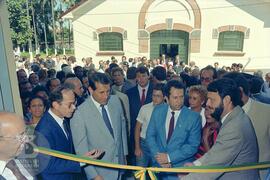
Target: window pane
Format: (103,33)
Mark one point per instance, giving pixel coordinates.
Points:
(110,41)
(231,41)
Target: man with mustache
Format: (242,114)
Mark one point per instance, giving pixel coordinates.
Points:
(236,143)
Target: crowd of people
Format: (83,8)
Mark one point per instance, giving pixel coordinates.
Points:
(158,112)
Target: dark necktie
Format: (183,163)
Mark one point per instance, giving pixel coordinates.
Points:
(143,97)
(15,170)
(171,127)
(106,119)
(66,128)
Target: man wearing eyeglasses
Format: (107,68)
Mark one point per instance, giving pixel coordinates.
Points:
(53,132)
(208,75)
(12,140)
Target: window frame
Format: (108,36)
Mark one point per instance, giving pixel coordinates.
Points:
(116,45)
(224,44)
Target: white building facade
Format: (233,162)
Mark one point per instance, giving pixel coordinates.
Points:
(204,31)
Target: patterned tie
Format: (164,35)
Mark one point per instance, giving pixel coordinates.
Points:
(143,97)
(15,170)
(106,119)
(171,127)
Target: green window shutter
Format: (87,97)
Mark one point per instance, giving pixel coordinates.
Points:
(231,41)
(110,41)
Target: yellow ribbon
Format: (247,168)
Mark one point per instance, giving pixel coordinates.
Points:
(140,175)
(141,171)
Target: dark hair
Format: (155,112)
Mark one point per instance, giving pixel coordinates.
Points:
(117,69)
(113,65)
(159,73)
(69,75)
(131,73)
(61,76)
(42,74)
(51,73)
(32,97)
(39,88)
(57,94)
(240,81)
(173,83)
(142,70)
(101,78)
(226,87)
(159,87)
(210,68)
(48,84)
(63,65)
(255,85)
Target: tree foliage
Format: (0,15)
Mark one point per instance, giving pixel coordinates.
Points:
(42,15)
(20,33)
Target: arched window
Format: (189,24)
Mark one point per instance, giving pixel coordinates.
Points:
(231,41)
(110,41)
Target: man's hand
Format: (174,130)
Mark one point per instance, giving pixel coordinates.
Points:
(94,154)
(98,177)
(168,165)
(180,175)
(162,158)
(188,164)
(138,152)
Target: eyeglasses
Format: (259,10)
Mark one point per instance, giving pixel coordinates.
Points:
(207,79)
(21,138)
(69,105)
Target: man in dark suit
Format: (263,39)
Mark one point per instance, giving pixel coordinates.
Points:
(236,143)
(138,96)
(53,132)
(174,131)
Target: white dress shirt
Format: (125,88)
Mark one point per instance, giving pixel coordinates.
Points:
(144,117)
(100,109)
(58,120)
(168,118)
(140,89)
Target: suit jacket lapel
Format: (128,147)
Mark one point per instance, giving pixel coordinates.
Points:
(181,117)
(56,125)
(237,110)
(59,131)
(113,118)
(162,128)
(99,122)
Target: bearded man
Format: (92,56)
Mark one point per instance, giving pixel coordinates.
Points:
(236,143)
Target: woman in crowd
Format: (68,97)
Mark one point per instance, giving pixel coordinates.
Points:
(209,134)
(36,107)
(197,98)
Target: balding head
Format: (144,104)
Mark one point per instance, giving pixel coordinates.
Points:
(12,131)
(75,84)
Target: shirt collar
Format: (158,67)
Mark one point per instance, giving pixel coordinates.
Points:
(96,103)
(224,118)
(141,88)
(247,106)
(57,118)
(176,113)
(2,166)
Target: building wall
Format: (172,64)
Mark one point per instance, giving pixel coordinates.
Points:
(215,15)
(9,92)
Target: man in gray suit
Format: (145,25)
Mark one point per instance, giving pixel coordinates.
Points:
(99,122)
(236,143)
(259,115)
